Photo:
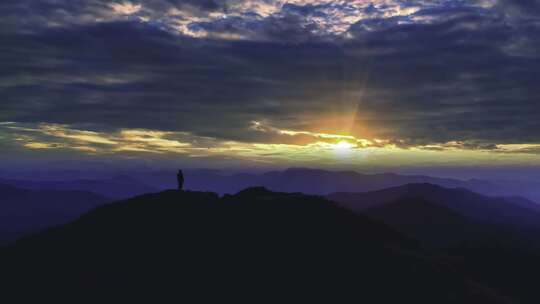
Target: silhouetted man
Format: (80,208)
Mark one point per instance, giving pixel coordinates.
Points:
(180,179)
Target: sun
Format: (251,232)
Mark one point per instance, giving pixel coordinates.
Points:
(343,146)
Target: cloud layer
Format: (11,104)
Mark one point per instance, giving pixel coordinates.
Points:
(413,74)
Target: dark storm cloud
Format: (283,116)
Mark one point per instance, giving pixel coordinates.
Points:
(203,4)
(521,7)
(171,82)
(458,78)
(443,73)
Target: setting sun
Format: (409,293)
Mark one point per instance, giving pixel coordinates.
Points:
(343,146)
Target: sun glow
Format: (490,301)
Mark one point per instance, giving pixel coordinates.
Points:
(343,148)
(283,146)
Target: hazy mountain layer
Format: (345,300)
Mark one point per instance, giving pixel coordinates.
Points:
(322,182)
(25,211)
(489,210)
(118,187)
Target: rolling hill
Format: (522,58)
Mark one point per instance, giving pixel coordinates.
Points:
(430,223)
(512,212)
(24,211)
(494,240)
(254,246)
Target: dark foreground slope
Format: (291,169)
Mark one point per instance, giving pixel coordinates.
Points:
(495,240)
(490,210)
(431,224)
(24,211)
(253,247)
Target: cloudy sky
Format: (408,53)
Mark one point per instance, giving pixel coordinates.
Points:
(270,82)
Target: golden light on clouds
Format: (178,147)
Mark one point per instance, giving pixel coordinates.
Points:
(138,140)
(78,135)
(125,8)
(39,145)
(277,146)
(48,136)
(519,148)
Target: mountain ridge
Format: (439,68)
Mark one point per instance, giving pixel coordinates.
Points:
(173,245)
(324,182)
(24,211)
(463,201)
(117,187)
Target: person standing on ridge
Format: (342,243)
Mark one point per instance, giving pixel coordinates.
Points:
(180,179)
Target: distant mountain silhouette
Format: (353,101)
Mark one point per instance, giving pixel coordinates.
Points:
(323,182)
(24,211)
(515,212)
(227,182)
(430,223)
(253,247)
(118,187)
